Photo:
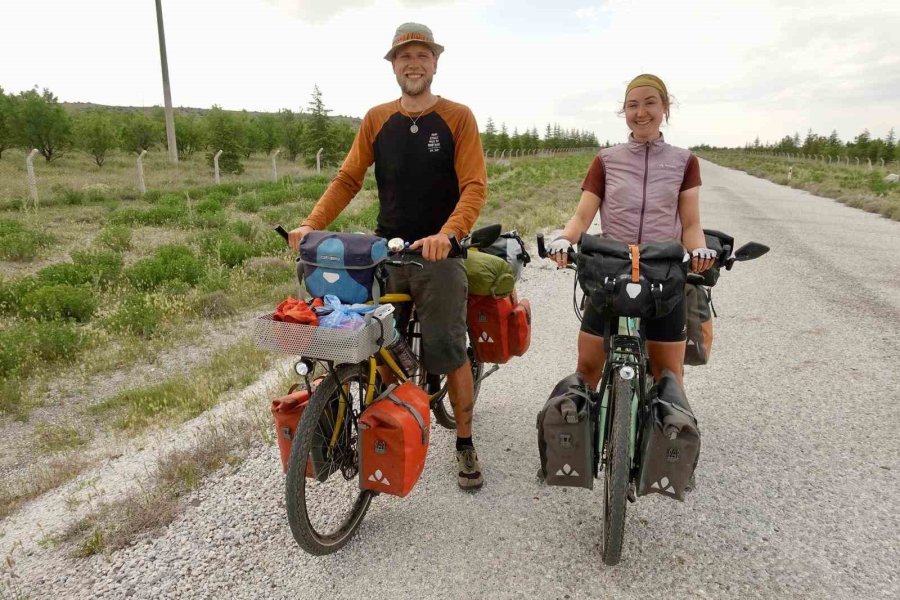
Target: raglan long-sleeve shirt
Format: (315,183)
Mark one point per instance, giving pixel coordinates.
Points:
(431,181)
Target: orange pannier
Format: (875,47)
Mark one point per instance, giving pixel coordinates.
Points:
(499,328)
(287,411)
(394,433)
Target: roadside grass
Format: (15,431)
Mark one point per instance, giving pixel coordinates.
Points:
(75,180)
(55,438)
(854,186)
(183,397)
(112,526)
(39,478)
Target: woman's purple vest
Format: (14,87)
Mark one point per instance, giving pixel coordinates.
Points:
(643,181)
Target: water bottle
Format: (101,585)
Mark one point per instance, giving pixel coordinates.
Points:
(406,360)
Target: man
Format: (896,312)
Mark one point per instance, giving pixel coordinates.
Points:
(429,167)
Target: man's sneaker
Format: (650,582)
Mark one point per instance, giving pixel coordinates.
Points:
(470,477)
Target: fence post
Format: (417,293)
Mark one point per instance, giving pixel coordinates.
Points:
(882,163)
(140,169)
(857,160)
(870,163)
(216,165)
(790,173)
(32,181)
(319,160)
(275,168)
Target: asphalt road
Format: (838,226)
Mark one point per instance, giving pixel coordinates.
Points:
(798,479)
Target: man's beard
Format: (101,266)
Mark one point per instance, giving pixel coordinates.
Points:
(414,88)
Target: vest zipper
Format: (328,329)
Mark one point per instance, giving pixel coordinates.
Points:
(644,200)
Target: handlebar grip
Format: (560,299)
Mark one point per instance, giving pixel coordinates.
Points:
(542,249)
(456,249)
(281,231)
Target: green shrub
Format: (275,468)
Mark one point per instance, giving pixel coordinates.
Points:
(311,187)
(215,304)
(209,205)
(69,197)
(11,398)
(152,196)
(136,315)
(249,203)
(104,266)
(26,346)
(226,248)
(115,237)
(242,229)
(125,215)
(20,244)
(8,226)
(171,263)
(276,197)
(12,292)
(59,302)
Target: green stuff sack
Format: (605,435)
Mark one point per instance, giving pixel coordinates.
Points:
(488,275)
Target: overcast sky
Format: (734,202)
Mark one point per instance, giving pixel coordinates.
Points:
(737,68)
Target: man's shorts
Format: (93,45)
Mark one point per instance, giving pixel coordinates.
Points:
(439,291)
(670,328)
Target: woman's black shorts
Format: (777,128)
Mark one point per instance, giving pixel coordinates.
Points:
(670,328)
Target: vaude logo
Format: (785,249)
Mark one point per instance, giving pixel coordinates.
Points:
(663,484)
(485,338)
(380,447)
(673,455)
(378,477)
(633,290)
(567,471)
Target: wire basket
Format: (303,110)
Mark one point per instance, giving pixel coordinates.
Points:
(325,343)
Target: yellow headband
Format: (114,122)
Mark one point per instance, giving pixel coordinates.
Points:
(648,80)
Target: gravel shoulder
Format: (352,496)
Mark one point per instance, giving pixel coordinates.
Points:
(798,409)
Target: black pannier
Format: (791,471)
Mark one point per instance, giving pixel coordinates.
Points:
(670,442)
(647,283)
(565,435)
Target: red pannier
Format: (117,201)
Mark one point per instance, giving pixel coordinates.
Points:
(287,411)
(499,328)
(394,440)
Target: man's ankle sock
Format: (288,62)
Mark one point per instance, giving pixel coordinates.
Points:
(464,442)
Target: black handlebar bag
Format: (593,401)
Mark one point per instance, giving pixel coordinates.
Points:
(644,281)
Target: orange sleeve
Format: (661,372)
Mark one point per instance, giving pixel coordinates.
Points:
(468,161)
(347,183)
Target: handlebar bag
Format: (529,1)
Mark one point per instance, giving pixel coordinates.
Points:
(488,275)
(499,328)
(698,304)
(393,439)
(565,435)
(632,281)
(345,265)
(670,442)
(510,247)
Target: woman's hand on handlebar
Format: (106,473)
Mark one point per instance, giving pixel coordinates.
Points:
(295,236)
(559,251)
(702,259)
(434,247)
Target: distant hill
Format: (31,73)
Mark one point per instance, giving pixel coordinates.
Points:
(184,110)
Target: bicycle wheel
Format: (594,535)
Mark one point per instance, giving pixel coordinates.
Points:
(324,503)
(440,406)
(617,471)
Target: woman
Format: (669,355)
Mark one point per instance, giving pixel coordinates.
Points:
(646,191)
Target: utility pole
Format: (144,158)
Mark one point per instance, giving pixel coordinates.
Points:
(167,94)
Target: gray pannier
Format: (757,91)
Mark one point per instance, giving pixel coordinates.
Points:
(565,435)
(670,442)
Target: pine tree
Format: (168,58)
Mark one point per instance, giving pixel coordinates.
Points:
(318,133)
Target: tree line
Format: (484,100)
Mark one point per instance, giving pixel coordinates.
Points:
(36,119)
(863,146)
(555,138)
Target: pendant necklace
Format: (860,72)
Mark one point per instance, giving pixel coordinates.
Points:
(415,128)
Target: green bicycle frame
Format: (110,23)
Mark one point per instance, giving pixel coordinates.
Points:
(628,326)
